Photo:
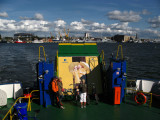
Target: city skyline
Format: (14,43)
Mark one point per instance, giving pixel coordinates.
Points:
(97,17)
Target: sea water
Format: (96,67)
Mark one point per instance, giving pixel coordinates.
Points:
(18,61)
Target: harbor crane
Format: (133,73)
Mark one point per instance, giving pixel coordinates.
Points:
(66,34)
(60,35)
(52,37)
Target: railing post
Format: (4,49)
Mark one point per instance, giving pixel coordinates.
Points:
(28,108)
(43,52)
(151,101)
(118,52)
(10,115)
(57,64)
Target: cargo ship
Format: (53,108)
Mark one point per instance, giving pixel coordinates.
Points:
(108,93)
(37,41)
(20,41)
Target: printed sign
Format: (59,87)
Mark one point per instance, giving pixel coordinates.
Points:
(65,61)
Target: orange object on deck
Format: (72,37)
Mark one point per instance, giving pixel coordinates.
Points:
(117,95)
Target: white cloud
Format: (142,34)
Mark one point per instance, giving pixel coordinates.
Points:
(32,25)
(90,23)
(124,16)
(112,29)
(3,14)
(87,26)
(149,33)
(122,28)
(86,22)
(37,16)
(76,27)
(24,25)
(95,27)
(155,22)
(57,26)
(59,23)
(7,25)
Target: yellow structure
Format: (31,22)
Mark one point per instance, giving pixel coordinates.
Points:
(66,34)
(79,61)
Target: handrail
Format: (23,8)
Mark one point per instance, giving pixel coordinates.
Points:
(102,55)
(150,104)
(28,108)
(30,101)
(121,52)
(57,63)
(43,52)
(10,110)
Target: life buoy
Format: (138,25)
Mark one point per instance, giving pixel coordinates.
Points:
(27,95)
(140,98)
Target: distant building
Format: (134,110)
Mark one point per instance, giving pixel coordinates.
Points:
(121,38)
(86,35)
(132,37)
(23,36)
(106,38)
(136,36)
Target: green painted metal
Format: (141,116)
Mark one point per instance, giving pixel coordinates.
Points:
(5,109)
(77,50)
(102,111)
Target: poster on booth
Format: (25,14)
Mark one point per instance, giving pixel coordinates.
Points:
(73,69)
(79,71)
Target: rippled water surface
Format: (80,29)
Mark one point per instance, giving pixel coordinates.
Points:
(18,61)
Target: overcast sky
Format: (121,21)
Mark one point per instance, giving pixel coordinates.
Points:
(98,17)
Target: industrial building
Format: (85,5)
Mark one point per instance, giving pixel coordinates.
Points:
(121,38)
(23,36)
(86,35)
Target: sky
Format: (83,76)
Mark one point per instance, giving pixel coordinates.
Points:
(97,17)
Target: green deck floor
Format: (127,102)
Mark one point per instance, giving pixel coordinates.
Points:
(4,110)
(102,111)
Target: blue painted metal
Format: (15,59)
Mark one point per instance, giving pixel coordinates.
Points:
(117,76)
(40,79)
(21,110)
(45,75)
